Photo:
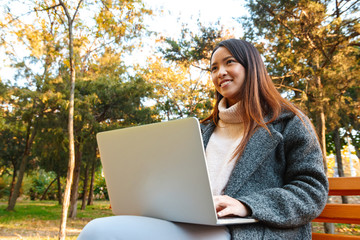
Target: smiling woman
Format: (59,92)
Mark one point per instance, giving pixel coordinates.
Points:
(227,74)
(268,162)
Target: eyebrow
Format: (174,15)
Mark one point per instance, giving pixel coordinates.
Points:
(224,59)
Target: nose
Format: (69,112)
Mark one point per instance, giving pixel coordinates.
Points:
(222,71)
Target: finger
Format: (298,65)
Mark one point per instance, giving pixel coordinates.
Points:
(224,212)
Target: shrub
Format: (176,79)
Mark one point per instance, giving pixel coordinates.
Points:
(4,189)
(100,189)
(40,181)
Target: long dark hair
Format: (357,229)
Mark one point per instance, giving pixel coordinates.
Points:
(259,97)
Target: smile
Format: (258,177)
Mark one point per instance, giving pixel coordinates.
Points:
(225,83)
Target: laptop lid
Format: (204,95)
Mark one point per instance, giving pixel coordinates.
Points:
(158,170)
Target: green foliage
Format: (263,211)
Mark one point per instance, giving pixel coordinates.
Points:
(40,181)
(3,91)
(106,97)
(4,190)
(330,145)
(312,53)
(100,190)
(12,144)
(193,48)
(177,92)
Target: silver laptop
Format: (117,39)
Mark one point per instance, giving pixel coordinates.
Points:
(159,170)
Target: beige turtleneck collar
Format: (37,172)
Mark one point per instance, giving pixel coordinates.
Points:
(231,114)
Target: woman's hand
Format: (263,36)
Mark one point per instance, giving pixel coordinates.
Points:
(227,206)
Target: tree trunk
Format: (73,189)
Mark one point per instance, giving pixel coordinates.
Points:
(12,185)
(59,193)
(29,140)
(329,227)
(86,179)
(355,146)
(74,189)
(47,189)
(321,133)
(357,152)
(91,188)
(71,164)
(320,119)
(339,159)
(321,130)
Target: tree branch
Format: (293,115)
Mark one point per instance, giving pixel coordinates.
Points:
(348,7)
(46,9)
(202,69)
(66,11)
(77,9)
(61,19)
(307,39)
(288,87)
(282,77)
(354,44)
(105,5)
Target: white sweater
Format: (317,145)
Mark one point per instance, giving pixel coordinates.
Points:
(222,144)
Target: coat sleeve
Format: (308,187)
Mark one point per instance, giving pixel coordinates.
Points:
(304,193)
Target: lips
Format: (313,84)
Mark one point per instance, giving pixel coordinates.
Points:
(225,82)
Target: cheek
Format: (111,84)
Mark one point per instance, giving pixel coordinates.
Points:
(213,79)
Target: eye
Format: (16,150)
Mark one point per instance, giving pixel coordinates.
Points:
(230,61)
(214,68)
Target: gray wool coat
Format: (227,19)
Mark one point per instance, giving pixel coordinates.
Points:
(281,178)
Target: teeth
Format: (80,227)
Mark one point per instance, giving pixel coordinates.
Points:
(225,83)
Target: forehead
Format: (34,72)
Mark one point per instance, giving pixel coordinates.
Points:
(220,54)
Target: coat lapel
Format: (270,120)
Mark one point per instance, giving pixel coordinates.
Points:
(258,148)
(206,131)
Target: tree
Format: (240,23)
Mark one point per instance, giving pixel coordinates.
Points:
(177,93)
(11,138)
(12,144)
(302,42)
(51,147)
(114,23)
(90,158)
(70,172)
(27,106)
(26,101)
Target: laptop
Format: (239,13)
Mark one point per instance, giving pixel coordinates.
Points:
(159,170)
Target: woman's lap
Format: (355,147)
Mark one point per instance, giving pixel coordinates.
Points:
(139,228)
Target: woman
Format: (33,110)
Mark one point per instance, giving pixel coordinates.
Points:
(263,156)
(278,176)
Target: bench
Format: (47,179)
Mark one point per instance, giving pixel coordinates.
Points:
(340,213)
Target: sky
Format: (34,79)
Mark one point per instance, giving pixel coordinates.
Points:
(174,13)
(209,11)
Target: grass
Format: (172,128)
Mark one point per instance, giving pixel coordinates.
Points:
(33,220)
(41,219)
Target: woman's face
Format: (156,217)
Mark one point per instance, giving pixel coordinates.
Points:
(227,74)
